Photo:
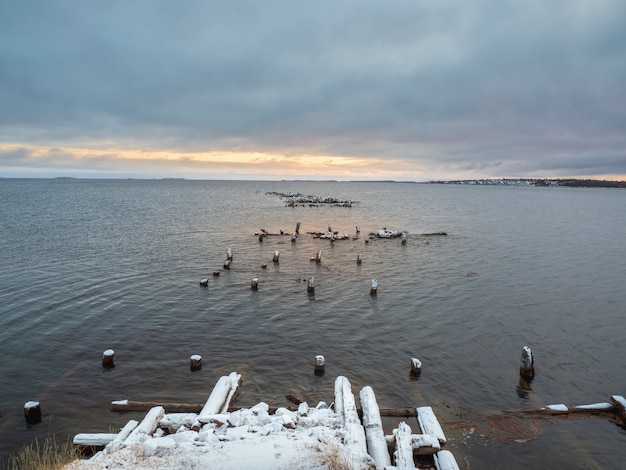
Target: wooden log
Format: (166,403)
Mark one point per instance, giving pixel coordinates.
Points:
(204,282)
(255,284)
(374,288)
(123,406)
(116,443)
(195,362)
(32,412)
(422,444)
(429,424)
(416,366)
(619,403)
(403,455)
(147,426)
(354,433)
(319,365)
(107,359)
(375,437)
(219,400)
(444,460)
(93,439)
(527,363)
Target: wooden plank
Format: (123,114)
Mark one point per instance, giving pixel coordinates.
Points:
(403,455)
(429,424)
(115,444)
(354,432)
(219,400)
(147,426)
(424,444)
(93,439)
(376,444)
(444,460)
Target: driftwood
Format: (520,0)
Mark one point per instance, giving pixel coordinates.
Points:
(403,455)
(376,444)
(123,406)
(429,424)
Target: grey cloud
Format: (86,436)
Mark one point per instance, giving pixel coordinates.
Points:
(441,81)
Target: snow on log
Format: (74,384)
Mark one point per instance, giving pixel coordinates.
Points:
(374,288)
(93,439)
(527,363)
(319,364)
(294,235)
(107,359)
(195,362)
(310,285)
(416,366)
(429,424)
(355,434)
(117,441)
(147,426)
(220,397)
(227,264)
(444,460)
(32,412)
(376,444)
(403,455)
(255,284)
(204,282)
(276,256)
(229,254)
(424,444)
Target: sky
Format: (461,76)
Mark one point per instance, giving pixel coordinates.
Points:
(350,90)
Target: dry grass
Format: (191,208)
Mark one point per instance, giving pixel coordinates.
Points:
(45,456)
(334,459)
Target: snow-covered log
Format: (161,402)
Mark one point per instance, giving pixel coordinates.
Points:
(444,460)
(403,455)
(147,426)
(376,444)
(32,412)
(93,439)
(354,432)
(527,363)
(107,359)
(120,437)
(195,362)
(374,288)
(219,400)
(416,366)
(319,364)
(429,424)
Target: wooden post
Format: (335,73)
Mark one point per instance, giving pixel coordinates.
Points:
(264,266)
(358,229)
(416,366)
(374,288)
(310,285)
(107,359)
(255,283)
(260,237)
(527,364)
(229,254)
(298,227)
(319,364)
(359,258)
(204,282)
(195,362)
(403,238)
(294,235)
(276,256)
(318,257)
(216,273)
(227,264)
(32,412)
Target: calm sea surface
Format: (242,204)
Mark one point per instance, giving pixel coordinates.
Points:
(88,265)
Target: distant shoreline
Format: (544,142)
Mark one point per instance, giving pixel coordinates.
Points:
(542,182)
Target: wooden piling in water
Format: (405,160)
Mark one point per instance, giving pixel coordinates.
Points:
(195,362)
(32,412)
(374,288)
(527,363)
(319,364)
(107,359)
(310,285)
(227,264)
(416,366)
(229,254)
(276,256)
(204,282)
(255,284)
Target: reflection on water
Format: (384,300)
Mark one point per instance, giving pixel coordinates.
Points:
(93,265)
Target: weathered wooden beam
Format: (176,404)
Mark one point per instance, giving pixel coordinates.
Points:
(403,455)
(429,423)
(376,444)
(115,444)
(444,460)
(148,425)
(93,439)
(620,406)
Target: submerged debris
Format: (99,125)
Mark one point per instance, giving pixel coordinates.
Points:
(294,199)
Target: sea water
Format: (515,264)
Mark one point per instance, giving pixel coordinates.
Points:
(88,265)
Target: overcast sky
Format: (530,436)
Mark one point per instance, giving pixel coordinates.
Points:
(406,90)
